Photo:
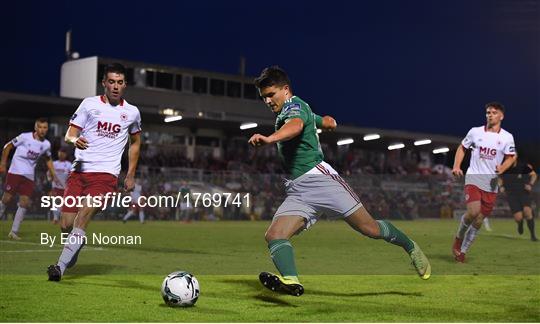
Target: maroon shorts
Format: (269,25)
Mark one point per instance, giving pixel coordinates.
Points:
(58,192)
(486,198)
(18,184)
(88,183)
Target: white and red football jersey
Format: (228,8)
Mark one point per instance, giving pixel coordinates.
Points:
(488,150)
(61,169)
(28,151)
(107,129)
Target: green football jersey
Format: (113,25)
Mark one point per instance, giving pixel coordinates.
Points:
(303,152)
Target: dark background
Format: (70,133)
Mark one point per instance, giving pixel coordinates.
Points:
(426,66)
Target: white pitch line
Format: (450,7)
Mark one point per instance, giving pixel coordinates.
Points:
(48,250)
(30,251)
(45,245)
(19,242)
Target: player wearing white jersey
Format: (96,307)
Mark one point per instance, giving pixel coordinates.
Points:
(62,167)
(29,147)
(135,207)
(492,153)
(99,130)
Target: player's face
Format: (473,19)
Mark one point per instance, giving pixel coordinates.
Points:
(493,116)
(114,85)
(41,129)
(274,97)
(62,155)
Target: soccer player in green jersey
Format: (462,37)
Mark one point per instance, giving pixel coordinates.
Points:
(314,187)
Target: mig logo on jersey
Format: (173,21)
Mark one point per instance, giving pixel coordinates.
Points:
(108,129)
(32,155)
(487,153)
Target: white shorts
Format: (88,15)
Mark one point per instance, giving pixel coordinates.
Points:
(319,191)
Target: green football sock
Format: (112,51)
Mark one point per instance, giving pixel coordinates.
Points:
(282,255)
(392,235)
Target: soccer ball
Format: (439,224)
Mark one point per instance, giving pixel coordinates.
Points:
(180,288)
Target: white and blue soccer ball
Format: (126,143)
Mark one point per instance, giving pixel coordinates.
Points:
(180,289)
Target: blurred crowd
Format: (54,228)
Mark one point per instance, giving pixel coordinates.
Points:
(400,184)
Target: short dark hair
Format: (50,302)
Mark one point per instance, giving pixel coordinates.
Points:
(272,76)
(42,120)
(496,105)
(113,68)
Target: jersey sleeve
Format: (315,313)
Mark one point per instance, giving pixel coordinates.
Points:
(135,127)
(295,110)
(468,141)
(18,140)
(80,116)
(510,147)
(318,120)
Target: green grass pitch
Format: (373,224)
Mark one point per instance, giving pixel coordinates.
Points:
(347,277)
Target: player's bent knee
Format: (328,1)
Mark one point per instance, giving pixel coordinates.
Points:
(24,202)
(272,234)
(6,198)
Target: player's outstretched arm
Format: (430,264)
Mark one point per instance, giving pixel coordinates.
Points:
(288,131)
(460,154)
(133,154)
(329,123)
(73,136)
(326,123)
(5,153)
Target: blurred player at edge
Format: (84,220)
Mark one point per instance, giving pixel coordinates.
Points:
(99,130)
(29,147)
(314,186)
(517,183)
(135,207)
(492,153)
(61,168)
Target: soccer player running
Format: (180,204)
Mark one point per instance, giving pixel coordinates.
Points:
(492,153)
(99,130)
(135,207)
(314,186)
(62,166)
(29,147)
(517,182)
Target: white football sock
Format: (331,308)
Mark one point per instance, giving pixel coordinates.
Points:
(2,209)
(19,216)
(487,225)
(141,216)
(56,214)
(462,228)
(128,215)
(74,242)
(469,239)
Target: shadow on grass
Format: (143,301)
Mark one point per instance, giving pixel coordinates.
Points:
(248,283)
(361,294)
(256,285)
(122,284)
(274,300)
(506,236)
(83,270)
(448,258)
